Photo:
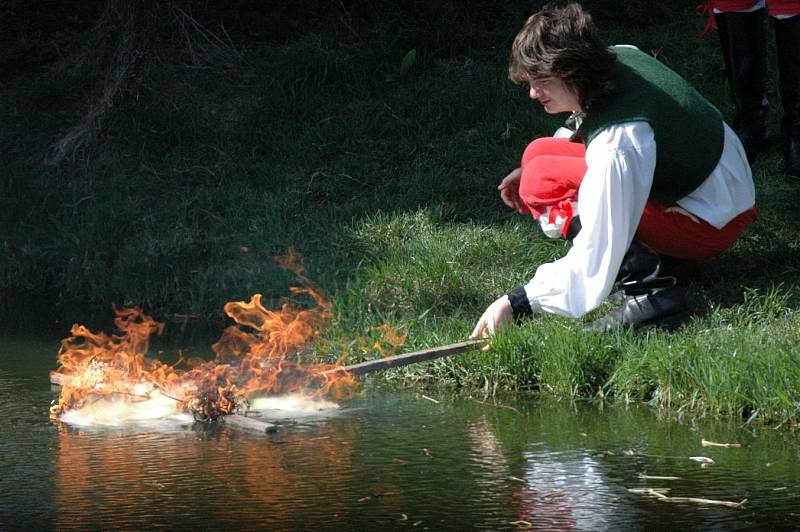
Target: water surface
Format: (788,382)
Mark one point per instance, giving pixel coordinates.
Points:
(388,459)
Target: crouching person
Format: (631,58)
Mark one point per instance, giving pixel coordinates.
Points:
(650,175)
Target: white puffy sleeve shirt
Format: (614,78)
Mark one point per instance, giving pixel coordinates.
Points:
(621,160)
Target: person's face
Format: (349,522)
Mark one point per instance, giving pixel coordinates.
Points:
(554,95)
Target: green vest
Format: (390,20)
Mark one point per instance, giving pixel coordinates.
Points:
(688,130)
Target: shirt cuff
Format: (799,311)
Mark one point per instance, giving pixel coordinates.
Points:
(520,304)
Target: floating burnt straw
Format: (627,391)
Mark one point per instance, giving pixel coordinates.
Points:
(211,404)
(113,375)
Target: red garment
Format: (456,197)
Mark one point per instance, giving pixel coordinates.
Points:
(552,171)
(775,7)
(669,231)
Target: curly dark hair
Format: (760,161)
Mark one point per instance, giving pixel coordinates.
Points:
(563,42)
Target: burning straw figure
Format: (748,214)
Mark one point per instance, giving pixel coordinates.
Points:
(111,375)
(650,174)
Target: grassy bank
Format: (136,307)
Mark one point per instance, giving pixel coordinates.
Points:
(380,166)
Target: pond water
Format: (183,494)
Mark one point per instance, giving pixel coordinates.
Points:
(388,459)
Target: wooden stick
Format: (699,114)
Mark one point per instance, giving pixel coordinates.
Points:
(711,502)
(239,421)
(396,361)
(657,477)
(658,493)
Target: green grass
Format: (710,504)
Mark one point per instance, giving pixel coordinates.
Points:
(383,174)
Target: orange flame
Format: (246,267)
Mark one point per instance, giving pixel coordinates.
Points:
(251,360)
(389,335)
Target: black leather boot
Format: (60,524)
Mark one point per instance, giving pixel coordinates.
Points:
(744,48)
(652,298)
(787,40)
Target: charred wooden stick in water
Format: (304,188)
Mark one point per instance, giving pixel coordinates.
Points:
(247,423)
(396,361)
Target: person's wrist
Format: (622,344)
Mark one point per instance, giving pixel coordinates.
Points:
(520,305)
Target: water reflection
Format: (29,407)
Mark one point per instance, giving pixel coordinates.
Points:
(138,478)
(565,491)
(556,491)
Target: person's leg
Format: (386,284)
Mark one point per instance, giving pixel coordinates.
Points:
(742,36)
(552,171)
(787,39)
(548,179)
(552,146)
(657,266)
(672,231)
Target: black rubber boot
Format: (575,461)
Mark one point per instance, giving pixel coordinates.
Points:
(652,298)
(787,40)
(744,49)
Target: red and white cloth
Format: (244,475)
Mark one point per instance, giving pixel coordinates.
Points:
(552,171)
(776,7)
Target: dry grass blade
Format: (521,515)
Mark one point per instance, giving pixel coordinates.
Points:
(497,406)
(212,49)
(659,493)
(706,443)
(128,23)
(649,491)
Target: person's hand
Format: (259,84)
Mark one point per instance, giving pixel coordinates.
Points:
(495,317)
(509,191)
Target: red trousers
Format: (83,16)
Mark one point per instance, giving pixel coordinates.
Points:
(552,171)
